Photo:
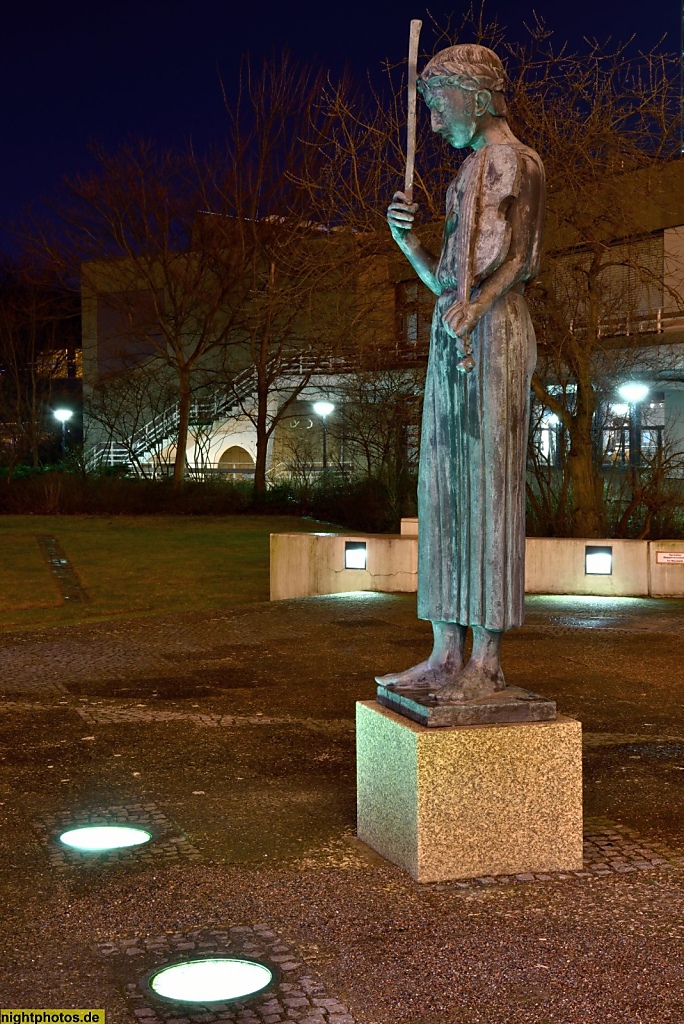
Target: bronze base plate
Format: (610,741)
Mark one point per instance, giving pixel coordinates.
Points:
(509,706)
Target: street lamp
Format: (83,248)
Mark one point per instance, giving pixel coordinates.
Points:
(633,393)
(63,415)
(323,409)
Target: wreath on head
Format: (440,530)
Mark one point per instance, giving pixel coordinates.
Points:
(469,65)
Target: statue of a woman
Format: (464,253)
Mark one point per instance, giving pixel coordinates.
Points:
(471,492)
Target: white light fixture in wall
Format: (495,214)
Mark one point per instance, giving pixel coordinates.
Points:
(355,554)
(598,560)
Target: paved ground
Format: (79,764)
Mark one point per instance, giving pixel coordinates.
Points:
(231,735)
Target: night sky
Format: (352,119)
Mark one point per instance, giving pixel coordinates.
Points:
(72,72)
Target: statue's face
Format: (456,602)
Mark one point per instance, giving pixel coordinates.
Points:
(455,113)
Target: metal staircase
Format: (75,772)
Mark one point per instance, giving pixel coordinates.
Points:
(139,455)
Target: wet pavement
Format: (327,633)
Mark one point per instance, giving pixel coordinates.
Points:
(232,735)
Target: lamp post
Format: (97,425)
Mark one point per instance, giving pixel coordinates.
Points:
(633,393)
(63,415)
(323,409)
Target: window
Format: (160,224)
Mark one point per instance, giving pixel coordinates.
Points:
(628,283)
(414,305)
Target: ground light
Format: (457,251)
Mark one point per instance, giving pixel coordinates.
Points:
(210,980)
(101,838)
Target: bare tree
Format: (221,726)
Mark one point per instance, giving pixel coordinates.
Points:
(606,123)
(378,428)
(303,309)
(132,227)
(220,266)
(38,324)
(123,404)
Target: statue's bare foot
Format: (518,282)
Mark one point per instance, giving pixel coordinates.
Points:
(425,676)
(475,680)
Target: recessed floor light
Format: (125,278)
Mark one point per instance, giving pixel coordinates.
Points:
(98,838)
(211,980)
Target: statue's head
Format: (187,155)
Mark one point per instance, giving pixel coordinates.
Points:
(462,86)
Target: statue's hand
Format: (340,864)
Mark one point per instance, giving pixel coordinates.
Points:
(461,318)
(400,216)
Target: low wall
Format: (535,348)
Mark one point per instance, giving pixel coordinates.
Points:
(409,527)
(557,566)
(306,564)
(666,568)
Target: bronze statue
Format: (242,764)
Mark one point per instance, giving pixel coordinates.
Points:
(471,492)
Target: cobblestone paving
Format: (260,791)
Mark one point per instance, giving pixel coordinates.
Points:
(299,995)
(608,849)
(606,629)
(117,715)
(603,632)
(168,844)
(142,714)
(52,661)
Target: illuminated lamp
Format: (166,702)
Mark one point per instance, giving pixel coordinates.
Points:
(216,979)
(633,392)
(355,554)
(598,561)
(101,838)
(323,408)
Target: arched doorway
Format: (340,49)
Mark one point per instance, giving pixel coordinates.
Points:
(236,462)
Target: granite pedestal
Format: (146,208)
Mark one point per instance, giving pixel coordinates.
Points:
(471,800)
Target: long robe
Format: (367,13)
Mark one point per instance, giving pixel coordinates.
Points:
(471,490)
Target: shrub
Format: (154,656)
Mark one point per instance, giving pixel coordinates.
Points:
(365,505)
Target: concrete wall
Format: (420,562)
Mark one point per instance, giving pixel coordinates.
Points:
(409,527)
(305,564)
(666,573)
(556,566)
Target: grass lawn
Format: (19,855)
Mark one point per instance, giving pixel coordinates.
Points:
(136,565)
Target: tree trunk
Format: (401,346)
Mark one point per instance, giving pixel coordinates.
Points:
(586,482)
(261,440)
(183,421)
(35,426)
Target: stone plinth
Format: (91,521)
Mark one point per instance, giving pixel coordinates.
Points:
(471,800)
